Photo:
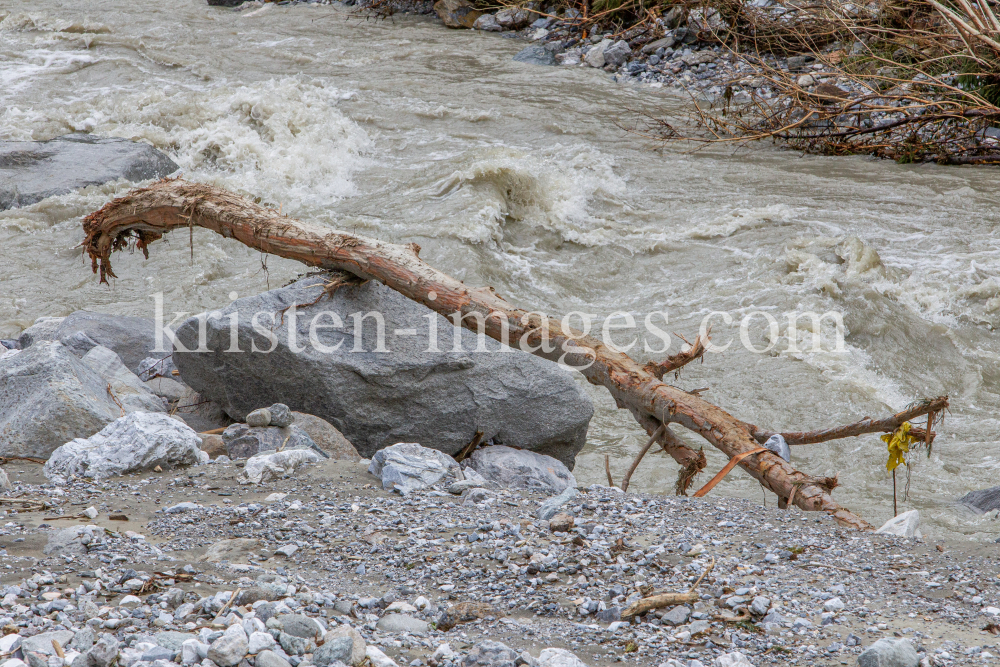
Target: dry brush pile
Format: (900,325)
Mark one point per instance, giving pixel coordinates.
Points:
(910,80)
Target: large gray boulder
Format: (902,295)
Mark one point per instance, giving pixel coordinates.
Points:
(983,500)
(136,442)
(48,397)
(131,338)
(30,171)
(520,469)
(405,393)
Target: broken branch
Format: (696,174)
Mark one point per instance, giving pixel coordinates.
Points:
(146,214)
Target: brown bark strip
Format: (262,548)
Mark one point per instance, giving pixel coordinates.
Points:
(145,214)
(703,491)
(867,425)
(674,362)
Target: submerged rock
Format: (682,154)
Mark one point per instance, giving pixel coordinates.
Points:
(30,171)
(983,500)
(135,442)
(520,469)
(404,391)
(536,54)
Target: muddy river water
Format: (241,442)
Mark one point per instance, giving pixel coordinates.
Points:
(520,177)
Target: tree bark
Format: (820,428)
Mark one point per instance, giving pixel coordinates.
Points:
(145,214)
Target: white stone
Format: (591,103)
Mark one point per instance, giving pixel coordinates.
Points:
(286,550)
(266,467)
(261,641)
(90,512)
(558,657)
(5,484)
(10,643)
(906,524)
(378,658)
(136,442)
(194,651)
(734,659)
(275,497)
(834,605)
(595,56)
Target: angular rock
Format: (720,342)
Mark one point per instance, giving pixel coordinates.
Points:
(551,506)
(260,641)
(558,657)
(335,650)
(489,652)
(263,468)
(172,640)
(79,343)
(71,541)
(679,615)
(299,625)
(399,623)
(760,605)
(561,523)
(167,388)
(356,656)
(229,649)
(270,659)
(126,386)
(487,23)
(521,469)
(616,54)
(44,329)
(5,484)
(378,658)
(457,13)
(536,54)
(103,653)
(734,659)
(982,500)
(513,18)
(331,441)
(243,441)
(595,56)
(906,524)
(48,397)
(234,550)
(407,466)
(889,653)
(42,643)
(376,398)
(159,365)
(131,338)
(136,442)
(662,43)
(30,171)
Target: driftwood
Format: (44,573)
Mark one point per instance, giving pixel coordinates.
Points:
(144,215)
(660,600)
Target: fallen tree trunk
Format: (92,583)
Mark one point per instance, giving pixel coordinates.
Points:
(145,214)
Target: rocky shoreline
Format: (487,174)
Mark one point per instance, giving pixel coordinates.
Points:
(191,567)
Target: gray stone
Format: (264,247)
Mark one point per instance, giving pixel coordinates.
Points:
(398,623)
(293,645)
(270,659)
(70,541)
(281,416)
(326,437)
(131,338)
(776,443)
(536,54)
(299,625)
(83,639)
(42,643)
(30,171)
(44,329)
(254,594)
(338,648)
(513,18)
(595,56)
(234,550)
(889,653)
(616,54)
(983,500)
(158,653)
(167,388)
(49,397)
(558,657)
(79,343)
(126,387)
(679,615)
(906,524)
(158,365)
(551,506)
(407,466)
(5,484)
(357,653)
(489,653)
(521,469)
(609,615)
(243,441)
(264,468)
(229,649)
(180,508)
(662,43)
(259,417)
(103,653)
(172,639)
(487,23)
(134,443)
(377,399)
(760,605)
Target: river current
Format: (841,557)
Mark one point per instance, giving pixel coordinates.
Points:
(520,177)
